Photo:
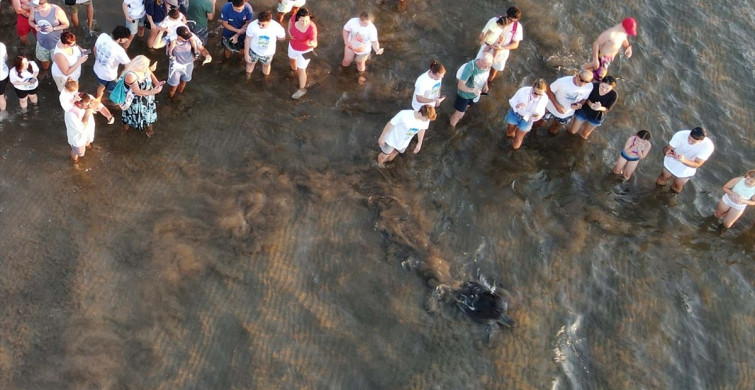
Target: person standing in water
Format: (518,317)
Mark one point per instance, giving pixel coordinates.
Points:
(23,10)
(80,125)
(739,193)
(472,82)
(360,37)
(262,36)
(427,87)
(566,95)
(635,149)
(49,20)
(499,36)
(527,106)
(593,112)
(303,33)
(399,131)
(607,45)
(687,151)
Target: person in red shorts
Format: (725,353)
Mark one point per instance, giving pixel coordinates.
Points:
(23,9)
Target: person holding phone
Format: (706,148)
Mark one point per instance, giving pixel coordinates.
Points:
(67,60)
(687,151)
(139,79)
(303,40)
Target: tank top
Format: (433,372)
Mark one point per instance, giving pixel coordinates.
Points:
(70,58)
(49,39)
(743,190)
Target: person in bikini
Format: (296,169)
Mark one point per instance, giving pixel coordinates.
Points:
(607,45)
(635,149)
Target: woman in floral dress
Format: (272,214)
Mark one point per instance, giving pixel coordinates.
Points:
(140,80)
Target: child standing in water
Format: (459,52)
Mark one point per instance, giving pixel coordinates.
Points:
(635,149)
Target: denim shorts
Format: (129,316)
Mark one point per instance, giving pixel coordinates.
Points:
(582,115)
(513,118)
(109,85)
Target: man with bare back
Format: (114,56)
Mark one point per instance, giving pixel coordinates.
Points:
(23,29)
(607,45)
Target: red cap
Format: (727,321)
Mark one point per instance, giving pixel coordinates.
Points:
(630,26)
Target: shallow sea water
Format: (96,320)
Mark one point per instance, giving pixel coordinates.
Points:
(254,243)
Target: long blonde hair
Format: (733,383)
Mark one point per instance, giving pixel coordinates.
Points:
(138,65)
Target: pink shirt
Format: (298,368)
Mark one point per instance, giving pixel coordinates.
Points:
(299,40)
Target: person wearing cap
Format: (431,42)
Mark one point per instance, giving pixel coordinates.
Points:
(360,38)
(49,20)
(23,9)
(499,36)
(260,43)
(565,95)
(607,45)
(181,52)
(235,17)
(473,81)
(687,151)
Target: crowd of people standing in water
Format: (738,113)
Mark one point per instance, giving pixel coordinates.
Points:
(579,102)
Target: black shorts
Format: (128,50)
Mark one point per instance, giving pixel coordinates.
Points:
(22,94)
(3,84)
(461,104)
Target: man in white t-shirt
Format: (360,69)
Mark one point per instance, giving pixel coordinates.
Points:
(108,54)
(565,95)
(262,36)
(399,131)
(427,87)
(360,37)
(687,151)
(505,32)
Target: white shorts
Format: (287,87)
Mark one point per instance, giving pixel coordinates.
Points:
(286,5)
(301,62)
(736,206)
